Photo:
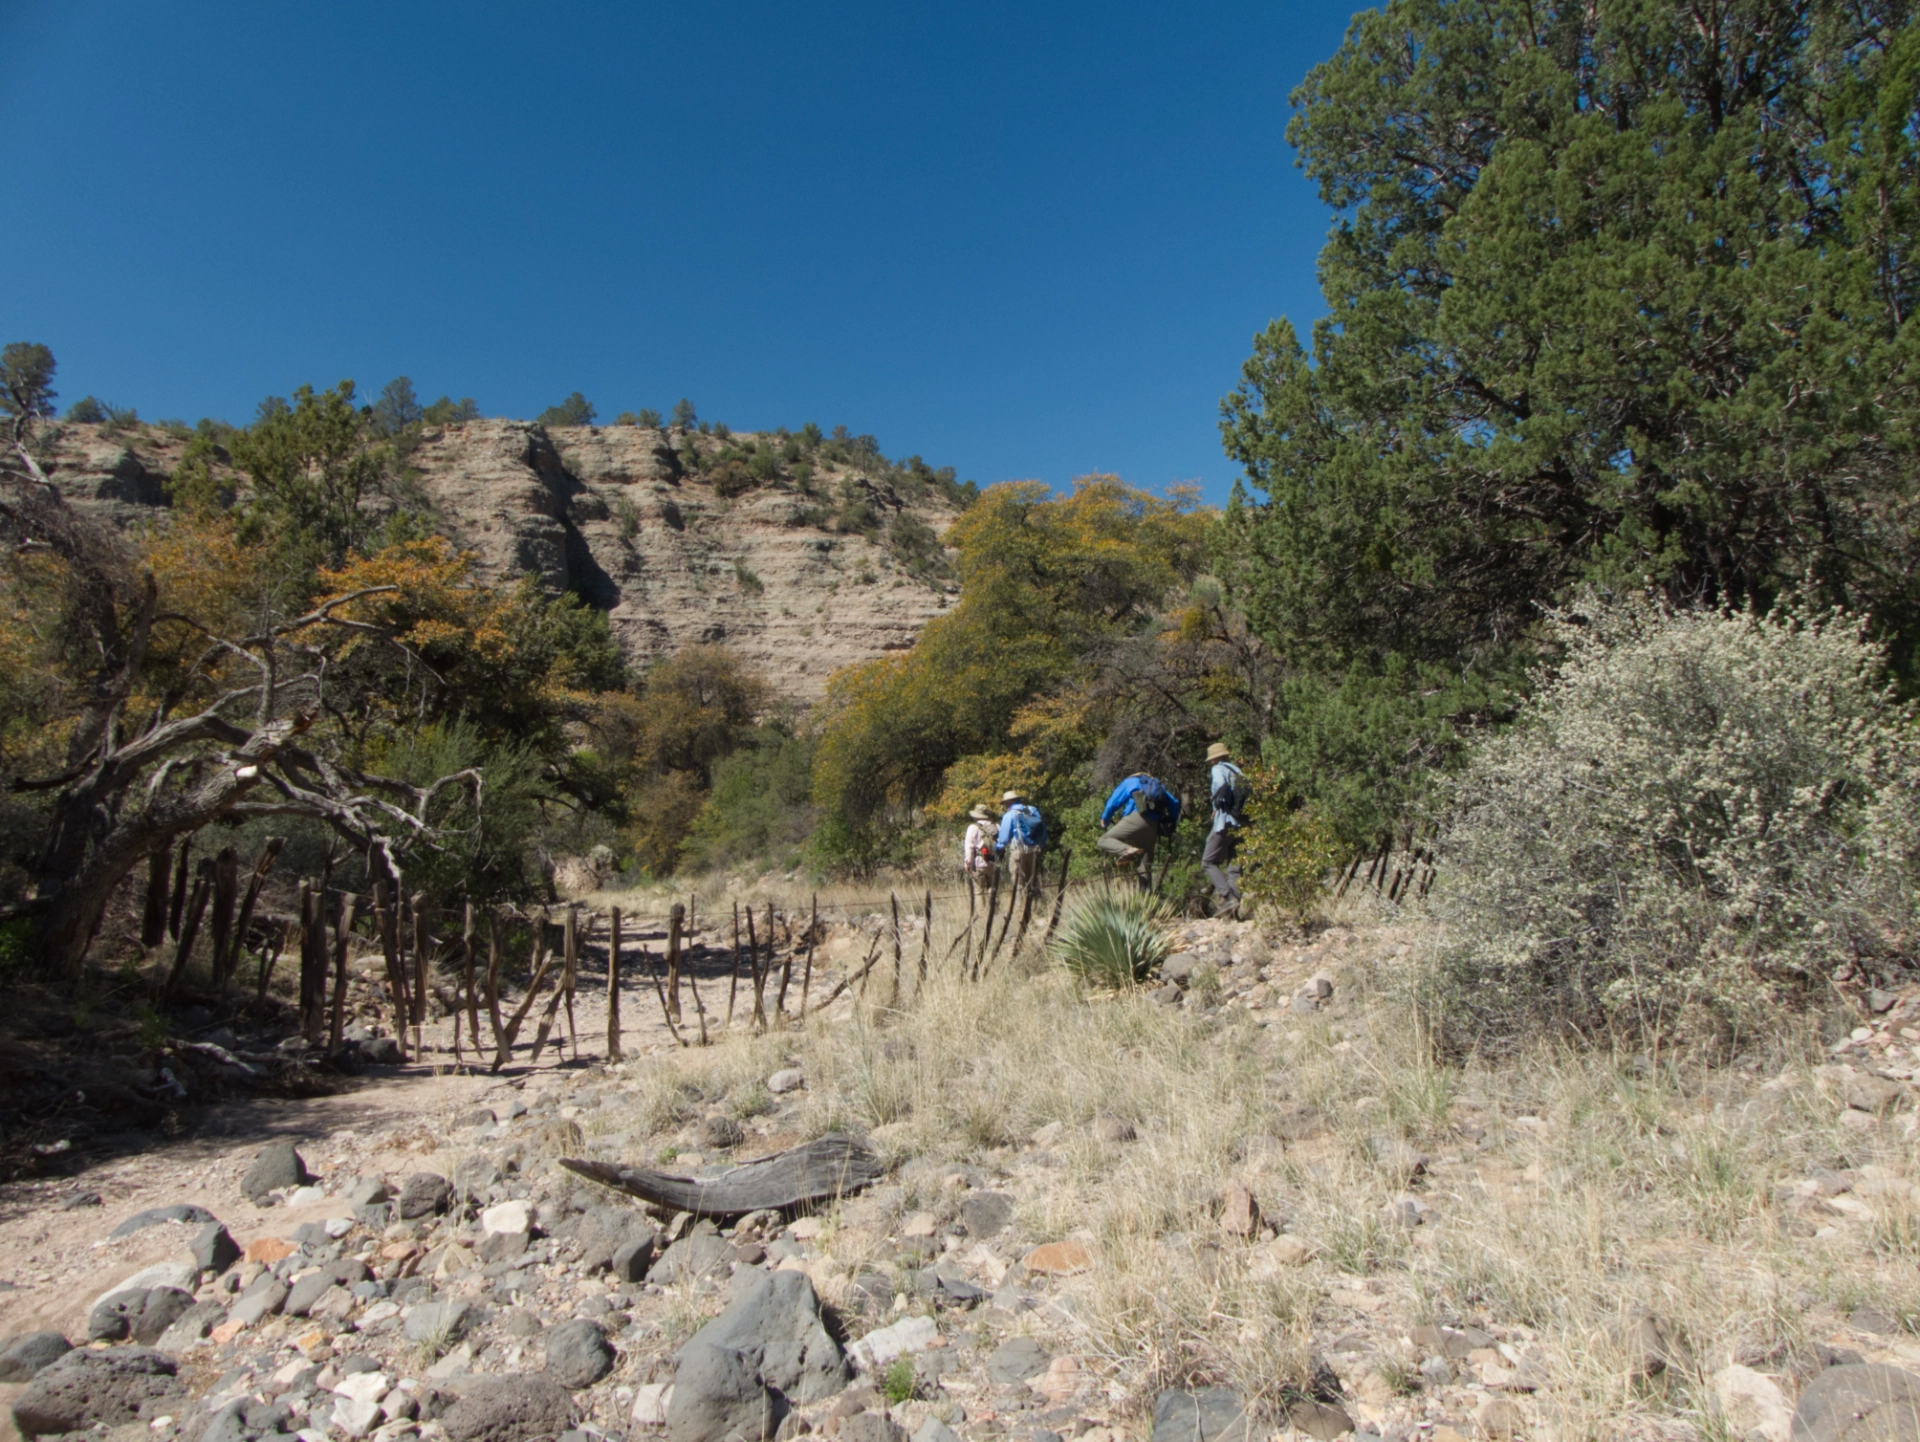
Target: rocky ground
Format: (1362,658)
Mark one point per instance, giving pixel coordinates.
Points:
(1229,1205)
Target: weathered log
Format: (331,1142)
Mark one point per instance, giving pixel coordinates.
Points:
(827,1167)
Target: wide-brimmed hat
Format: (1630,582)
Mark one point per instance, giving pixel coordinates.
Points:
(1007,798)
(1219,751)
(981,813)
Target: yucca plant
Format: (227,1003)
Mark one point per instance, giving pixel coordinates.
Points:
(1112,937)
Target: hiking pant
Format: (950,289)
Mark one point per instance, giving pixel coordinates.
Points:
(1130,833)
(1023,866)
(1218,861)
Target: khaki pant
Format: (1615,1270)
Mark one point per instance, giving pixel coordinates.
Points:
(1132,832)
(1023,865)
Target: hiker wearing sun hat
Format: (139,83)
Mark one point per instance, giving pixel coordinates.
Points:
(1023,832)
(976,852)
(1228,791)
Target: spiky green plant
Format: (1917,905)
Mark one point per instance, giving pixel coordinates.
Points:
(1113,937)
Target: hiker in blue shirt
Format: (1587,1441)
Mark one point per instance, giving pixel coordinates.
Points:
(1227,791)
(1140,812)
(1023,833)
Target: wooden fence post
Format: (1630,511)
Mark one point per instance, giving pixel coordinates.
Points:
(336,1030)
(613,985)
(675,918)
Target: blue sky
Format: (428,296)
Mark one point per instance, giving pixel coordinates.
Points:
(1026,240)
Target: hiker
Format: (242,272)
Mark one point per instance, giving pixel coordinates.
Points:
(1140,812)
(1023,832)
(976,852)
(1227,790)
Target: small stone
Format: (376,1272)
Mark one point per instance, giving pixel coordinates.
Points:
(986,1214)
(436,1322)
(1322,1421)
(872,1427)
(1652,1345)
(1289,1251)
(1498,1418)
(356,1418)
(1060,1259)
(213,1248)
(920,1226)
(306,1196)
(81,1199)
(255,1306)
(1048,1134)
(1858,1403)
(909,1335)
(934,1430)
(1239,1212)
(1017,1359)
(1752,1402)
(786,1080)
(268,1250)
(650,1402)
(366,1192)
(632,1259)
(425,1194)
(1874,1321)
(578,1353)
(25,1355)
(1394,1157)
(514,1218)
(1113,1130)
(368,1383)
(278,1166)
(1881,1002)
(1209,1414)
(1873,1094)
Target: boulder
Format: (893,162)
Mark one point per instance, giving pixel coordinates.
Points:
(107,1388)
(718,1397)
(877,1427)
(308,1290)
(437,1322)
(507,1217)
(277,1166)
(259,1301)
(191,1326)
(986,1214)
(911,1334)
(1862,1403)
(788,1079)
(424,1194)
(578,1353)
(720,1133)
(213,1248)
(1209,1414)
(1753,1404)
(24,1356)
(773,1319)
(508,1409)
(631,1259)
(181,1213)
(1017,1359)
(141,1314)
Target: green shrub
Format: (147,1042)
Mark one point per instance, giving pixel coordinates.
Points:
(898,1383)
(1113,936)
(1285,852)
(1701,818)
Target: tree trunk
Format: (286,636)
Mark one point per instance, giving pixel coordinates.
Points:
(153,923)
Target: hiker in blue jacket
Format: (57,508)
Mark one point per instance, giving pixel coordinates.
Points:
(1228,792)
(1023,834)
(1140,812)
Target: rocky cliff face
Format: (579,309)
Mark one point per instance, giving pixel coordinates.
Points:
(613,515)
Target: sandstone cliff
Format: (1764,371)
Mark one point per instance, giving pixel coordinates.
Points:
(615,515)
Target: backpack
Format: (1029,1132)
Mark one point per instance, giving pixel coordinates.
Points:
(1158,805)
(1028,828)
(1232,797)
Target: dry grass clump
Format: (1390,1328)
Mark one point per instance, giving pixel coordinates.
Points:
(1565,1193)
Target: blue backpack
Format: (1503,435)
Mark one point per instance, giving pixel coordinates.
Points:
(1028,826)
(1158,805)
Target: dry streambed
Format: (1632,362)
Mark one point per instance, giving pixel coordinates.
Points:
(1240,1202)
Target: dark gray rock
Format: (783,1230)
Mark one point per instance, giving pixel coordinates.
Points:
(604,1230)
(191,1325)
(475,1177)
(375,1216)
(108,1387)
(702,1254)
(986,1213)
(1209,1414)
(631,1259)
(181,1213)
(508,1409)
(425,1194)
(312,1287)
(213,1248)
(367,1192)
(81,1199)
(578,1353)
(951,1290)
(1868,1403)
(263,1299)
(718,1397)
(142,1314)
(25,1355)
(501,1246)
(1017,1359)
(1873,1320)
(773,1319)
(229,1424)
(876,1427)
(277,1166)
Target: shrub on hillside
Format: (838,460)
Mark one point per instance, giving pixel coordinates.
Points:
(1700,818)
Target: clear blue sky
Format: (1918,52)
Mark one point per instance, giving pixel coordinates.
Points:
(1025,240)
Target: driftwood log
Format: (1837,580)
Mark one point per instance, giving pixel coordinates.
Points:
(827,1167)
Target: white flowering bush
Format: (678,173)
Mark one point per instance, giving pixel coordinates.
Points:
(1702,817)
